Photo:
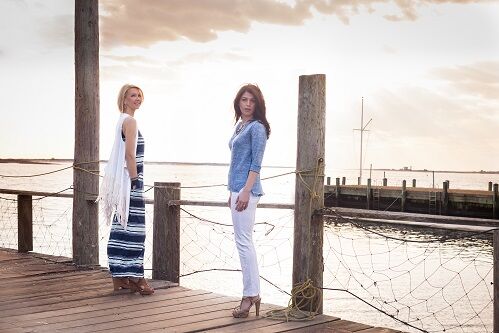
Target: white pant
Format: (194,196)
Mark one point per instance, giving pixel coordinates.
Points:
(243,233)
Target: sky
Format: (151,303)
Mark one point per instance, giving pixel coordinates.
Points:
(428,71)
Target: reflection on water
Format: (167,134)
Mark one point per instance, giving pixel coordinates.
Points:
(430,278)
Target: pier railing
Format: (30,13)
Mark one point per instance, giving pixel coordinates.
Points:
(167,235)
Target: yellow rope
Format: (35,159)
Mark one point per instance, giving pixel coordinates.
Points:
(304,294)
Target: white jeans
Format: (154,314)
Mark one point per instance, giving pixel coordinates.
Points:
(243,233)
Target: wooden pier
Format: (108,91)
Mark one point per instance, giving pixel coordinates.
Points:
(444,201)
(50,294)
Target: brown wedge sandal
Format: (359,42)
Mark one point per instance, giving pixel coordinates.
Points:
(141,286)
(121,283)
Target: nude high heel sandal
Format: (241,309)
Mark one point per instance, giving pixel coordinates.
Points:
(242,311)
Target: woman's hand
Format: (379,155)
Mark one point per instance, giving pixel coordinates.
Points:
(242,200)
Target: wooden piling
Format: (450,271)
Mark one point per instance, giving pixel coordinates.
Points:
(343,180)
(308,262)
(328,180)
(414,183)
(86,151)
(369,194)
(490,186)
(337,192)
(358,180)
(385,182)
(495,202)
(403,196)
(166,233)
(24,223)
(445,198)
(496,280)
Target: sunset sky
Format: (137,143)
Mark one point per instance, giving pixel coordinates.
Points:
(428,71)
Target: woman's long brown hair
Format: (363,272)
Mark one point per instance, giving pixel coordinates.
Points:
(260,110)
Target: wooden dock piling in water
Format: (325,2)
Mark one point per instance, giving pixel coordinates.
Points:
(445,201)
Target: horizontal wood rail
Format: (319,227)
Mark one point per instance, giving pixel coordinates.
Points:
(224,204)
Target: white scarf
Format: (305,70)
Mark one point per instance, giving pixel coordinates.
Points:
(114,192)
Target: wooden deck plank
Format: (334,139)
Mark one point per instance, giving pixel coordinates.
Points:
(107,303)
(47,282)
(55,289)
(343,326)
(294,325)
(228,324)
(79,294)
(46,296)
(139,321)
(192,320)
(90,321)
(88,300)
(102,312)
(379,330)
(250,324)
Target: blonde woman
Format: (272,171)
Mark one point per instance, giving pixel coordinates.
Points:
(122,196)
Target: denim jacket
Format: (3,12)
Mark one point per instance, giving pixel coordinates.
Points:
(247,148)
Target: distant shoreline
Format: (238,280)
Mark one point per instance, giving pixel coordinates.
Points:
(62,160)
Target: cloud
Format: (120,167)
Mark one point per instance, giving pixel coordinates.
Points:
(128,59)
(188,59)
(431,129)
(479,79)
(202,57)
(58,30)
(123,22)
(388,49)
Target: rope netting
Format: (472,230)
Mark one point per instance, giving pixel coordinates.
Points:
(407,278)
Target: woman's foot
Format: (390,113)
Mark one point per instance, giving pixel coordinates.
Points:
(141,286)
(242,311)
(121,283)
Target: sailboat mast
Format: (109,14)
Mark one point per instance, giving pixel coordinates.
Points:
(361,137)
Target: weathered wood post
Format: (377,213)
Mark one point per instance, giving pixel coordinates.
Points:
(385,182)
(166,233)
(495,202)
(445,198)
(414,183)
(337,192)
(368,194)
(24,223)
(495,241)
(343,180)
(358,181)
(309,193)
(490,186)
(403,196)
(86,151)
(328,180)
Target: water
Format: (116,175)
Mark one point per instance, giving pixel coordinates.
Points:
(431,284)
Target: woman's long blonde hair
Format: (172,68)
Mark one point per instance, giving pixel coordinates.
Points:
(122,95)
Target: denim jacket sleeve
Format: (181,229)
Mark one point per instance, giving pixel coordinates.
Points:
(258,142)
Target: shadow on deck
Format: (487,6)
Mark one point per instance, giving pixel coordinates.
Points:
(48,294)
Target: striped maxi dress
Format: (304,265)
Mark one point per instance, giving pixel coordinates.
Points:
(125,249)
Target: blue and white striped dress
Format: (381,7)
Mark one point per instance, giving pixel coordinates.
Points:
(125,249)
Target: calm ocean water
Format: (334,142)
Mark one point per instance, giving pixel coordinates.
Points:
(433,285)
